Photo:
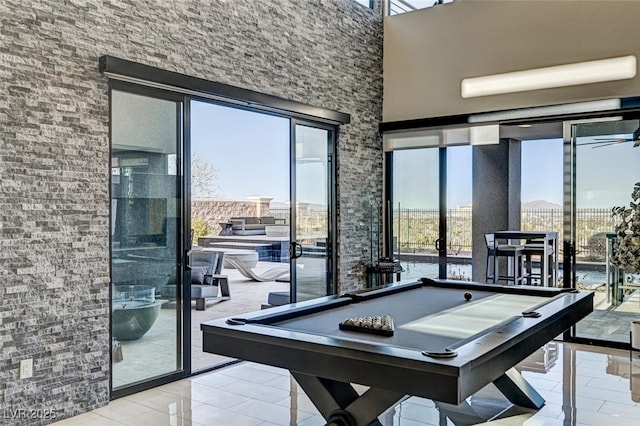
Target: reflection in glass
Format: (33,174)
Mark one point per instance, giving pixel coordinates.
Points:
(312,211)
(144,233)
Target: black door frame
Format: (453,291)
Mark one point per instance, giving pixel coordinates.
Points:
(137,77)
(442,242)
(183,286)
(570,213)
(331,283)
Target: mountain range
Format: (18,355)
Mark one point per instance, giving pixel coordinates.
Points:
(540,204)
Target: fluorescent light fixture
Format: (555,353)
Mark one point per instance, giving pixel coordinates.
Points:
(547,111)
(612,69)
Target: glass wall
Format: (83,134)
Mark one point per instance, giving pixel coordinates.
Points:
(459,211)
(431,193)
(580,179)
(416,211)
(366,3)
(240,170)
(606,162)
(312,196)
(395,7)
(145,237)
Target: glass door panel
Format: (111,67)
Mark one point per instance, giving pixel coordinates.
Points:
(432,235)
(240,171)
(311,222)
(146,221)
(416,211)
(605,163)
(459,212)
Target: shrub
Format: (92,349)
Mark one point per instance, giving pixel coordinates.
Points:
(626,252)
(201,228)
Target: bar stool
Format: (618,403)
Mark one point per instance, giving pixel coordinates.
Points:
(531,249)
(513,253)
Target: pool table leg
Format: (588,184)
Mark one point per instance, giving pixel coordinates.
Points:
(518,390)
(339,403)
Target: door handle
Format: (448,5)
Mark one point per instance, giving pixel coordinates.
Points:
(438,244)
(295,250)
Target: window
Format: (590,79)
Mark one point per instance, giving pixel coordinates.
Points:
(396,7)
(366,3)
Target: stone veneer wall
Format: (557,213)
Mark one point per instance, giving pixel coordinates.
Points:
(54,154)
(221,211)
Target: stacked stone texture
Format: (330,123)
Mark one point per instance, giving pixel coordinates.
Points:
(214,212)
(54,154)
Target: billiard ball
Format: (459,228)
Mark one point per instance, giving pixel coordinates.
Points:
(467,296)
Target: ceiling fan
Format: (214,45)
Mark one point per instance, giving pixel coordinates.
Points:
(602,142)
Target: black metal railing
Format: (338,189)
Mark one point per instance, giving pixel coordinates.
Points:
(416,230)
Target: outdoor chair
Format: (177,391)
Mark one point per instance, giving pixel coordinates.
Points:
(206,281)
(278,272)
(513,254)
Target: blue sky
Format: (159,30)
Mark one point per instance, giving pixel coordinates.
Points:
(416,173)
(250,150)
(605,175)
(251,153)
(542,173)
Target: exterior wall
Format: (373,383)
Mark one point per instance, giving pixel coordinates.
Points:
(54,154)
(214,212)
(428,52)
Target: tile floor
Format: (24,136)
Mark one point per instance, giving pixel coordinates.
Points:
(582,385)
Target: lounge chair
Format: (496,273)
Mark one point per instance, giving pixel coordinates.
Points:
(206,281)
(268,275)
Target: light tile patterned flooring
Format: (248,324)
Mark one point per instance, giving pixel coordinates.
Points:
(582,385)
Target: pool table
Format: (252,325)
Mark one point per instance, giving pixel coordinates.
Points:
(448,340)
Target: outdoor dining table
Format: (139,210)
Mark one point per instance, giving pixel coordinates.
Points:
(549,242)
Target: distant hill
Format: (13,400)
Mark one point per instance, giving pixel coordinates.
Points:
(540,204)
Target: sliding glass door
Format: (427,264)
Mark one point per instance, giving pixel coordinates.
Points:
(430,200)
(240,207)
(416,218)
(146,243)
(311,225)
(459,246)
(602,168)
